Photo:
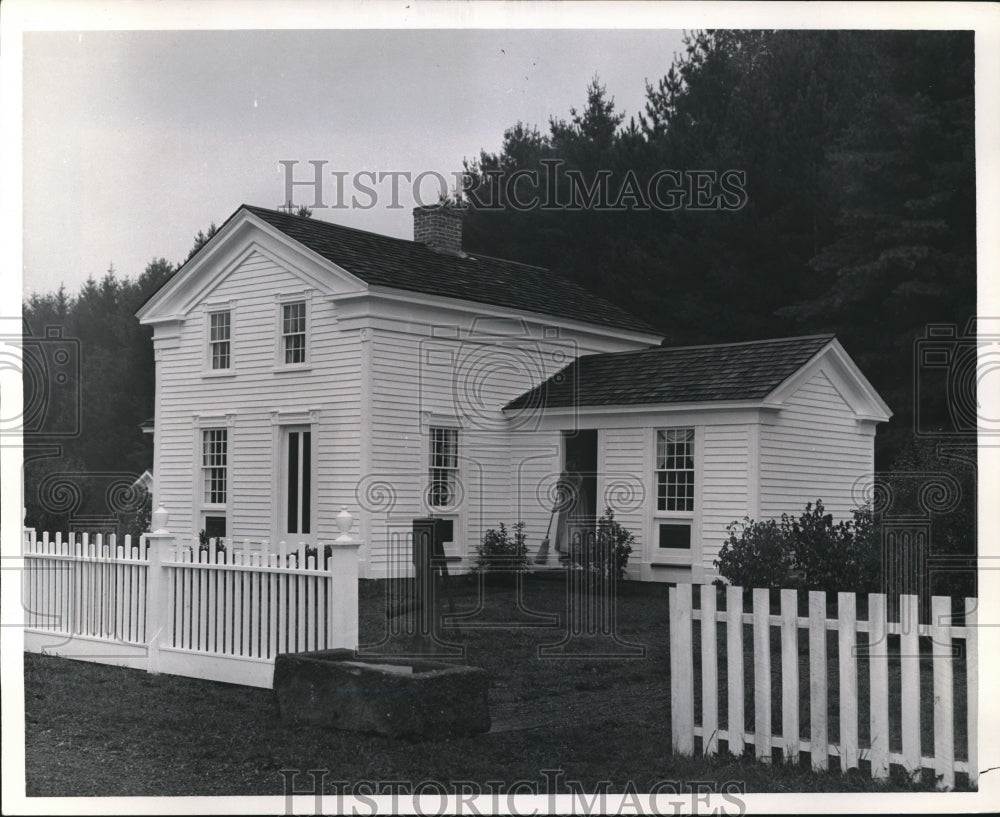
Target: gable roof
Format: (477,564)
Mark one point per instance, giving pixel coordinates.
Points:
(397,263)
(685,374)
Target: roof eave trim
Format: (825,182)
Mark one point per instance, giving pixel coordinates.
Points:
(645,408)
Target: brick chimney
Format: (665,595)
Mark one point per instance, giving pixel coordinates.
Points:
(439,226)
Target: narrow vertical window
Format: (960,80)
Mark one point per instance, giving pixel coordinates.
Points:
(443,467)
(675,469)
(293,332)
(298,486)
(214,465)
(218,339)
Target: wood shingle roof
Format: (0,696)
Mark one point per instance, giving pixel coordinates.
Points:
(685,374)
(381,260)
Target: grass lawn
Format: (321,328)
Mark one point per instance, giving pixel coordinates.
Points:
(95,730)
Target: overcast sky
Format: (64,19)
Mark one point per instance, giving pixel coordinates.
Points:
(135,140)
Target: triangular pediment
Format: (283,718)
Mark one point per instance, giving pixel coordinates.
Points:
(835,366)
(242,238)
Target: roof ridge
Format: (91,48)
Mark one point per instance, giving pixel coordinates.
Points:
(475,256)
(483,256)
(730,344)
(325,223)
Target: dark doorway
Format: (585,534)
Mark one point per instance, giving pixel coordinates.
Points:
(580,457)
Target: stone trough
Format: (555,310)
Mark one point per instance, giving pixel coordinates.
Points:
(396,697)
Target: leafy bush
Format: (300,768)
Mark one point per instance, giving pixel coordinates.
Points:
(810,552)
(609,554)
(502,550)
(758,554)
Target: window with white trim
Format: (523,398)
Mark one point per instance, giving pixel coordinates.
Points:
(443,473)
(219,349)
(215,465)
(675,470)
(293,332)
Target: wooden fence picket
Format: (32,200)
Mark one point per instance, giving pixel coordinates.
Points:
(734,669)
(681,683)
(848,668)
(972,685)
(221,613)
(909,660)
(878,669)
(762,673)
(790,674)
(818,701)
(944,705)
(878,648)
(709,673)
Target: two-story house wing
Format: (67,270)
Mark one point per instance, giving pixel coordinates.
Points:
(302,367)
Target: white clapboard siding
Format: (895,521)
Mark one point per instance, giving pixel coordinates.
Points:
(725,485)
(420,379)
(952,646)
(250,395)
(626,484)
(814,448)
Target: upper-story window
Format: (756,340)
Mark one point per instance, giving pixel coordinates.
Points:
(293,332)
(675,470)
(443,473)
(219,349)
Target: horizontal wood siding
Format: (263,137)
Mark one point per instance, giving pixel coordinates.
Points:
(813,449)
(534,472)
(255,390)
(420,380)
(626,484)
(726,476)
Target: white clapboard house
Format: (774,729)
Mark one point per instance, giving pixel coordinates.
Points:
(303,367)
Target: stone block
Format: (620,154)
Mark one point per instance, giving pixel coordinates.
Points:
(396,697)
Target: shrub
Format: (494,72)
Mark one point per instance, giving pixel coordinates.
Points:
(502,550)
(757,554)
(613,547)
(809,552)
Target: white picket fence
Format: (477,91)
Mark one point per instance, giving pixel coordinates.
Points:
(164,606)
(880,652)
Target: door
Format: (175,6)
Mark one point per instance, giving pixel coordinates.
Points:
(580,460)
(295,522)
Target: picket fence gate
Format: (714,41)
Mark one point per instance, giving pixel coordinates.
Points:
(158,604)
(944,655)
